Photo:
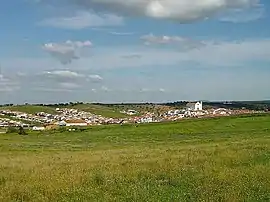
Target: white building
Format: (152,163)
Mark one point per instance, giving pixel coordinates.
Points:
(146,120)
(37,128)
(221,111)
(194,106)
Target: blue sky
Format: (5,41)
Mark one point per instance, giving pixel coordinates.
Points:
(134,50)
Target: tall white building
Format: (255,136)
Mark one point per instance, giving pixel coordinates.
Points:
(194,106)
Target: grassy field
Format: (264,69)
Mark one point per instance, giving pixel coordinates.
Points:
(226,159)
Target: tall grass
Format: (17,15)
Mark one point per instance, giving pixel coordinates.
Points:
(225,159)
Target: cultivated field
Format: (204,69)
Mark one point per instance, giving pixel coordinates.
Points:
(226,159)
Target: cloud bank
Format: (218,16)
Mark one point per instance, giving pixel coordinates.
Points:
(182,11)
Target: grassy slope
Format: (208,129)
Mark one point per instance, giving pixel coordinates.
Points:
(100,110)
(31,109)
(112,111)
(226,159)
(20,120)
(96,109)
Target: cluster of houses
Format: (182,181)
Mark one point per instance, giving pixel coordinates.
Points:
(73,117)
(6,122)
(63,117)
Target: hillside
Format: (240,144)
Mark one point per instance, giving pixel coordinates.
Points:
(51,109)
(31,109)
(105,110)
(114,110)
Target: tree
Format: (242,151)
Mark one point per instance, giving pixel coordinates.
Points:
(12,129)
(21,131)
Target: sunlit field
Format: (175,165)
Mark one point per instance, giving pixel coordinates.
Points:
(225,159)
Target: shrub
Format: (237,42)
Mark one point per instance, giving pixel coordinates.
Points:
(12,129)
(21,131)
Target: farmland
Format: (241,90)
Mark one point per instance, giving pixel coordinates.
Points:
(222,159)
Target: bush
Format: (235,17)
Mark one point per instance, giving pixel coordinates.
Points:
(12,129)
(62,129)
(19,130)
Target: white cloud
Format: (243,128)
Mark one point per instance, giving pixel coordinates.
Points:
(217,54)
(66,52)
(213,53)
(233,53)
(66,77)
(145,90)
(8,85)
(69,85)
(162,90)
(132,55)
(83,20)
(180,42)
(183,11)
(55,80)
(104,88)
(122,33)
(1,77)
(95,77)
(54,89)
(243,16)
(152,90)
(63,74)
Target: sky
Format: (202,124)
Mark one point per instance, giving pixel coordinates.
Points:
(134,50)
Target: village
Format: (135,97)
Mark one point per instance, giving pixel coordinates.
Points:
(67,117)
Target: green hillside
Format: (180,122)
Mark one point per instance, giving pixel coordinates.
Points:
(31,109)
(113,110)
(95,109)
(100,110)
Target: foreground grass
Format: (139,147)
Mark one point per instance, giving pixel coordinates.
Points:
(225,159)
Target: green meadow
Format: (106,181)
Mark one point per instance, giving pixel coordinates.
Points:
(223,159)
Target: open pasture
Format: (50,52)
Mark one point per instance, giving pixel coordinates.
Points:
(224,159)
